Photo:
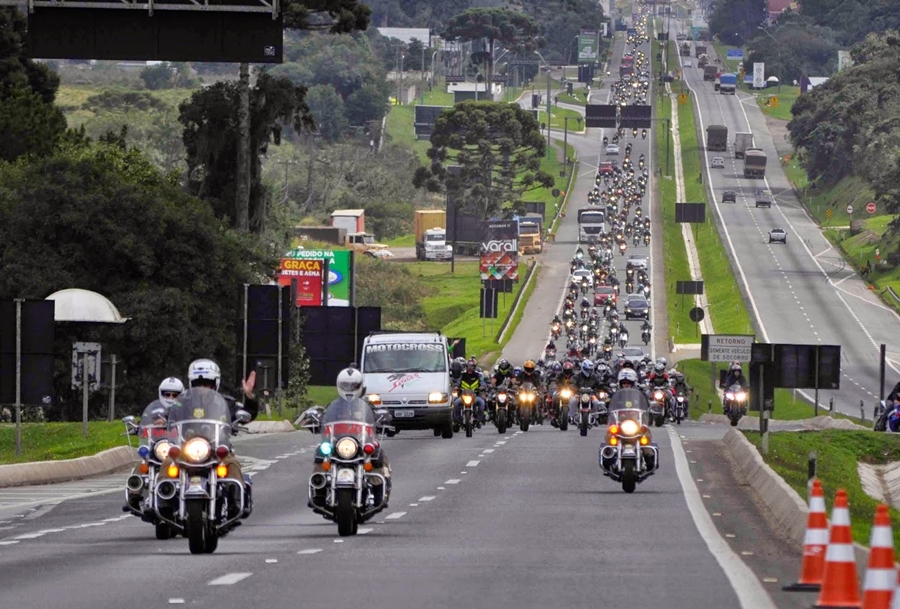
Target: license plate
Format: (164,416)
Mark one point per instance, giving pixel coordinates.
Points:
(196,482)
(404,414)
(346,476)
(628,451)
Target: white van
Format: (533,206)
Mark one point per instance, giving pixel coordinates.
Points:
(409,374)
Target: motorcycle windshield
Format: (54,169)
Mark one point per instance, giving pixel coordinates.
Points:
(201,412)
(629,399)
(353,418)
(154,425)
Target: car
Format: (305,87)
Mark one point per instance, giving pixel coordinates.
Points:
(604,293)
(763,198)
(729,196)
(779,235)
(580,274)
(634,354)
(605,167)
(380,254)
(717,162)
(612,149)
(638,261)
(637,308)
(689,64)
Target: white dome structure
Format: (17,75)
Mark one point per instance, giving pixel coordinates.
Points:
(75,304)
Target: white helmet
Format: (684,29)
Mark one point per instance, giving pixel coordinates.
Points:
(205,370)
(169,386)
(627,374)
(350,384)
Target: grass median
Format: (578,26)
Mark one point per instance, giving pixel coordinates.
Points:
(58,441)
(837,451)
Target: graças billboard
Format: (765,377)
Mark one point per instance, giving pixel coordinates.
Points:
(340,278)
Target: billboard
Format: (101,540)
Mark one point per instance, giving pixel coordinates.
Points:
(310,277)
(500,250)
(759,75)
(587,47)
(735,54)
(340,273)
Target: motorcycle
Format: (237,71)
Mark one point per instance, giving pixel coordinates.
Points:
(153,447)
(628,454)
(562,411)
(585,410)
(623,340)
(347,491)
(468,411)
(501,409)
(194,496)
(658,406)
(602,414)
(735,403)
(680,411)
(527,398)
(645,336)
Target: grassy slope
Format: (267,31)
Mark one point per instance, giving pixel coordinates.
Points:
(52,441)
(838,451)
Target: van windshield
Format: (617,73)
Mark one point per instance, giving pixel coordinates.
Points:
(404,357)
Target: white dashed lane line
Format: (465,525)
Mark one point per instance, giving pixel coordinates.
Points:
(395,516)
(473,463)
(230,579)
(426,498)
(452,481)
(310,551)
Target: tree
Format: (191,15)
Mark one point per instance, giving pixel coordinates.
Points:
(515,31)
(736,21)
(16,68)
(210,139)
(120,227)
(157,76)
(28,125)
(498,148)
(327,110)
(803,49)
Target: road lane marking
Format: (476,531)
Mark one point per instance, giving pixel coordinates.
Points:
(230,579)
(473,463)
(271,561)
(426,498)
(364,531)
(395,516)
(8,543)
(488,450)
(176,601)
(452,481)
(29,536)
(310,551)
(413,505)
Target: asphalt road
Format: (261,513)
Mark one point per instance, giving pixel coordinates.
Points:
(802,291)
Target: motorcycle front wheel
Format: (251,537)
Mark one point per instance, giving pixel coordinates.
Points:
(563,419)
(501,421)
(198,531)
(524,420)
(629,477)
(584,424)
(346,513)
(468,418)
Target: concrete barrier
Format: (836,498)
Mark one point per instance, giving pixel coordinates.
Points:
(48,472)
(282,426)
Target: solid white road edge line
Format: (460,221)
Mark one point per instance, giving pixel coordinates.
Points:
(744,582)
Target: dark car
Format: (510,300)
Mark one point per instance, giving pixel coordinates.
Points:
(605,167)
(637,309)
(729,196)
(604,293)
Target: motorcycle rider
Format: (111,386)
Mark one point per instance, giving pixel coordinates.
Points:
(206,373)
(169,390)
(470,379)
(681,385)
(502,373)
(351,386)
(628,378)
(586,378)
(735,376)
(530,374)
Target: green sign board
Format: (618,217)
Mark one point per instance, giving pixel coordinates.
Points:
(340,273)
(587,47)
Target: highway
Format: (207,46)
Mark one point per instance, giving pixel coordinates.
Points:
(518,520)
(801,292)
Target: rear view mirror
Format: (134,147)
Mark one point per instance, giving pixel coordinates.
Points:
(243,417)
(129,420)
(311,419)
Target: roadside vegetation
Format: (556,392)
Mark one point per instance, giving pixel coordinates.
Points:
(57,441)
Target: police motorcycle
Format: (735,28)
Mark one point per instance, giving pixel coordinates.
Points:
(346,489)
(195,496)
(628,453)
(154,441)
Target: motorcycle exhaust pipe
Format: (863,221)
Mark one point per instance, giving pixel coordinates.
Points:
(318,481)
(166,490)
(134,483)
(608,452)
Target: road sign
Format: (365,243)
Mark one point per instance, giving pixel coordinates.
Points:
(726,347)
(870,207)
(735,54)
(682,99)
(697,314)
(849,209)
(828,213)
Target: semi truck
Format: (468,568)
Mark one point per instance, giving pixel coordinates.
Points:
(530,231)
(754,163)
(699,49)
(702,61)
(717,137)
(727,84)
(685,49)
(430,227)
(710,71)
(742,141)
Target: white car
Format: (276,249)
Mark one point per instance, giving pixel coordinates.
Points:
(580,274)
(717,162)
(689,64)
(779,235)
(612,149)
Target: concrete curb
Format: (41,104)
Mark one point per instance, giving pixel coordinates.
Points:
(812,424)
(282,426)
(49,472)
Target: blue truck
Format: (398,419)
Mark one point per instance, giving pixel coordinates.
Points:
(727,84)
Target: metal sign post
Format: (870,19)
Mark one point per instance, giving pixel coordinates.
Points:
(18,377)
(246,323)
(85,388)
(112,387)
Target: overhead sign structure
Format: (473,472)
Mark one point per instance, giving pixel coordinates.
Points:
(600,116)
(587,47)
(759,75)
(340,273)
(726,347)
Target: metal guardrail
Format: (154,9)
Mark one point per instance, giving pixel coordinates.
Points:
(893,294)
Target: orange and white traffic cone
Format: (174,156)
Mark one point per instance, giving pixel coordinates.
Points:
(881,576)
(813,566)
(840,586)
(895,603)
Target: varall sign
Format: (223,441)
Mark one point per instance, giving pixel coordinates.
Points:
(500,250)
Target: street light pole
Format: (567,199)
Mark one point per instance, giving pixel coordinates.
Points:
(566,141)
(548,112)
(780,57)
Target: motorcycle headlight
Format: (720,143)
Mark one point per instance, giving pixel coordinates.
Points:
(741,396)
(325,448)
(565,393)
(346,448)
(658,395)
(161,450)
(467,399)
(585,398)
(501,397)
(629,428)
(196,450)
(729,395)
(680,399)
(374,399)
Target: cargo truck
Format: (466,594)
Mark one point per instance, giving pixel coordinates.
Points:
(754,163)
(430,227)
(709,72)
(702,61)
(699,49)
(742,141)
(530,230)
(717,137)
(685,49)
(727,84)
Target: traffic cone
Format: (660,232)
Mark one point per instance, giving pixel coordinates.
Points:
(840,586)
(881,577)
(813,566)
(895,603)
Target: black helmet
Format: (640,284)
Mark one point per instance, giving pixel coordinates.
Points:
(504,366)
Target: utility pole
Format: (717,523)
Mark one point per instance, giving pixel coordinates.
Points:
(242,168)
(548,113)
(284,197)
